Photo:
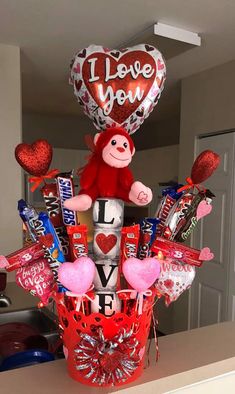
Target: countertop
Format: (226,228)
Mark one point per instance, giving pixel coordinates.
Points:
(201,357)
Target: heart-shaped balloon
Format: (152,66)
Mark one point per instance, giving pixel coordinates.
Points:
(174,279)
(37,278)
(35,158)
(141,274)
(118,87)
(77,276)
(203,209)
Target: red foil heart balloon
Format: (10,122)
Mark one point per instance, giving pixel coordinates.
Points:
(35,158)
(118,87)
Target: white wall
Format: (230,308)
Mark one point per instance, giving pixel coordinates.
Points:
(207,106)
(156,165)
(67,131)
(10,131)
(150,166)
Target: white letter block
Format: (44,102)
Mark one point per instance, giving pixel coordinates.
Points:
(108,213)
(108,301)
(106,274)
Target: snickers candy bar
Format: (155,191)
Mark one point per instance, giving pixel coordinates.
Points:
(65,191)
(52,202)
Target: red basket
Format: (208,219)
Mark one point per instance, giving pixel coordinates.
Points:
(104,351)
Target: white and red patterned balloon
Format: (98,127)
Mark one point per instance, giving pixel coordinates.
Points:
(174,279)
(118,87)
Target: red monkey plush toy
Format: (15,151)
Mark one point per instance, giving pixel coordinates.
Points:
(107,173)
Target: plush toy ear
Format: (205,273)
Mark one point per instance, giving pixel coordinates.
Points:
(133,151)
(96,137)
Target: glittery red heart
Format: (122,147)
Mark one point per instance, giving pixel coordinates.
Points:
(106,242)
(35,158)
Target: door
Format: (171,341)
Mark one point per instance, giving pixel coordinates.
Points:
(211,290)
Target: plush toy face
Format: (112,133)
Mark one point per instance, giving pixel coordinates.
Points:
(117,152)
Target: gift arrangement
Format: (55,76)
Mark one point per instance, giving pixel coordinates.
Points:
(105,297)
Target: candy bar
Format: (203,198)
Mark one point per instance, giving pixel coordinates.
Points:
(78,241)
(53,254)
(170,196)
(148,227)
(129,242)
(177,218)
(65,191)
(24,256)
(28,214)
(64,241)
(163,248)
(52,202)
(191,217)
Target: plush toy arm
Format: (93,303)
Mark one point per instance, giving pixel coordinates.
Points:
(88,175)
(126,178)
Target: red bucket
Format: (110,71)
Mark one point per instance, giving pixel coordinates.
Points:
(104,351)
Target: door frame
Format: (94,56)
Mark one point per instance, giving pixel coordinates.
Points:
(230,302)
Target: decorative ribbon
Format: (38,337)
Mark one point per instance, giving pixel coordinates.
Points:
(191,185)
(140,297)
(37,180)
(80,297)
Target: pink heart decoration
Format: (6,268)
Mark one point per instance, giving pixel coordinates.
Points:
(3,262)
(206,255)
(37,278)
(141,274)
(77,276)
(174,279)
(203,209)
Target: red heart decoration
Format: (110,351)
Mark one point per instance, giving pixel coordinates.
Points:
(35,158)
(106,242)
(126,84)
(204,166)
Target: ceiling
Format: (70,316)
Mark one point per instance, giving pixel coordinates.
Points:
(50,32)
